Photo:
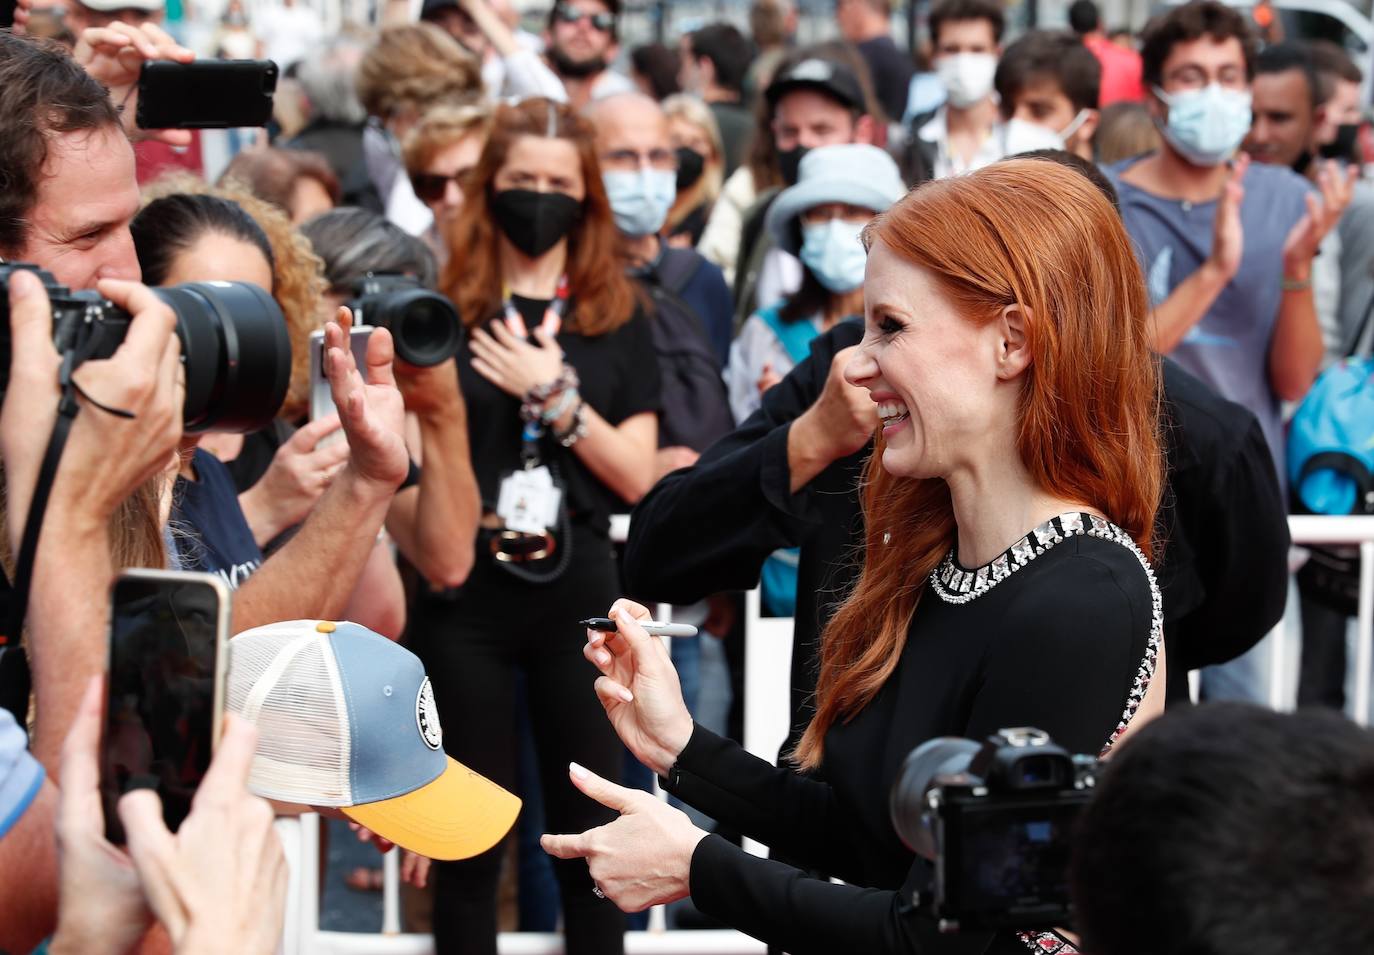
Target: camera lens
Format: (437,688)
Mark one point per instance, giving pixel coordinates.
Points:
(424,325)
(236,353)
(942,756)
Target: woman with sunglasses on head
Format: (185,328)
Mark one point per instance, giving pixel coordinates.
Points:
(440,153)
(561,385)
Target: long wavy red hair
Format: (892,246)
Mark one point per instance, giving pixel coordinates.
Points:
(1042,236)
(603,298)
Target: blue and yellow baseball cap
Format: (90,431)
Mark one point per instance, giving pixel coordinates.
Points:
(346,719)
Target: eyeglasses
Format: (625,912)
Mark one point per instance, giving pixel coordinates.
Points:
(430,186)
(604,22)
(662,159)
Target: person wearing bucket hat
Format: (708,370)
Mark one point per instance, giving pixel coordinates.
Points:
(839,190)
(346,719)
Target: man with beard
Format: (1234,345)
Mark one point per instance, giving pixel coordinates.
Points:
(582,43)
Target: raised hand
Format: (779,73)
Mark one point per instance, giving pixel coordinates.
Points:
(114,56)
(643,858)
(1228,242)
(300,472)
(639,689)
(1335,186)
(372,410)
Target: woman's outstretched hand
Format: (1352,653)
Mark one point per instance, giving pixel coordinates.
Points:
(641,859)
(639,688)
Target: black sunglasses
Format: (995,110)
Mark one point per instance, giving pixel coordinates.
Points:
(601,21)
(430,186)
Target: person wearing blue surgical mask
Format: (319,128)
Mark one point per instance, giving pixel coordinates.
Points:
(1226,245)
(820,220)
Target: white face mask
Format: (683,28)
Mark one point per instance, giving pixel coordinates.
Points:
(967,76)
(1023,136)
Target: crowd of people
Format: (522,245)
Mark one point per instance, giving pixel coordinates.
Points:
(977,359)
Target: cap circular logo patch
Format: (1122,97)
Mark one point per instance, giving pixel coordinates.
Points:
(427,717)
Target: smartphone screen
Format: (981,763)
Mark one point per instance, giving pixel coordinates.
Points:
(321,398)
(167,638)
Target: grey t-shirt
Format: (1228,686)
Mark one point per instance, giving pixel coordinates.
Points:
(1356,231)
(1229,348)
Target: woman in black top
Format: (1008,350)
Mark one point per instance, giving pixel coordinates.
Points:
(561,384)
(1008,509)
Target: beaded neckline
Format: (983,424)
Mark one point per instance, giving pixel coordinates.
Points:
(955,584)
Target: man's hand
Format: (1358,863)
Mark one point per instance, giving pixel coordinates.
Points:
(429,391)
(299,473)
(101,907)
(1228,239)
(1336,187)
(372,411)
(218,884)
(840,422)
(107,456)
(114,56)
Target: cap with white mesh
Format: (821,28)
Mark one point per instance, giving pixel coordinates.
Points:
(346,719)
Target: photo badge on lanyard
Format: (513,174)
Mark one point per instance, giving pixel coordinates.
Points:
(529,498)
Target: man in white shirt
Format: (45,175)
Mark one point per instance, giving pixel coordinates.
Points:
(512,67)
(288,30)
(962,135)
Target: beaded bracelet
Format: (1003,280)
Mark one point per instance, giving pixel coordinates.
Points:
(532,405)
(577,428)
(565,401)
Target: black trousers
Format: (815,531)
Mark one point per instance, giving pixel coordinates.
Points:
(472,646)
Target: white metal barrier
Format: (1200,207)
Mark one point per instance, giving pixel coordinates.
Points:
(766,711)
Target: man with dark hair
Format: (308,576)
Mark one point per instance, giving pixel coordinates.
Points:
(581,42)
(714,62)
(1047,88)
(1230,830)
(960,136)
(1121,67)
(1287,101)
(1342,110)
(1227,248)
(868,25)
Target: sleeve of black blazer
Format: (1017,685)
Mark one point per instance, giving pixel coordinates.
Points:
(1241,548)
(734,506)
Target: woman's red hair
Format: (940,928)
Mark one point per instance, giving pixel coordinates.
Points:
(1038,235)
(603,298)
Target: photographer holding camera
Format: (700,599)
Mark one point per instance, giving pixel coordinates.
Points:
(1009,508)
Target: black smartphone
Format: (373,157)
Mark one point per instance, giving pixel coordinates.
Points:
(206,94)
(168,634)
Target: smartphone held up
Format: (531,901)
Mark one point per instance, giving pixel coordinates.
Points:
(206,94)
(167,667)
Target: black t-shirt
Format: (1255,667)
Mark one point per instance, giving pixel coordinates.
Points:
(891,70)
(619,379)
(209,529)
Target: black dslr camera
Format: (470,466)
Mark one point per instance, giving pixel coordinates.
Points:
(423,324)
(996,820)
(233,344)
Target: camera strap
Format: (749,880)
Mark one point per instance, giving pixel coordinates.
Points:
(15,668)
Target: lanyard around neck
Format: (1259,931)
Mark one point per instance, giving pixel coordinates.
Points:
(552,322)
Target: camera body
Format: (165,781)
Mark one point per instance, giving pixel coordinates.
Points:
(234,345)
(424,324)
(996,819)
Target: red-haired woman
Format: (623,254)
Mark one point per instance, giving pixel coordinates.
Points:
(1008,512)
(561,384)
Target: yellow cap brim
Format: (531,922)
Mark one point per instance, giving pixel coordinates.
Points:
(460,815)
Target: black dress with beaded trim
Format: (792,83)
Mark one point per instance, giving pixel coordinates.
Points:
(1065,639)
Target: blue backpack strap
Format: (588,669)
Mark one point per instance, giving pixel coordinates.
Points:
(796,337)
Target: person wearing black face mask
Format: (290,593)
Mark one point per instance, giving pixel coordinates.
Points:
(561,381)
(695,136)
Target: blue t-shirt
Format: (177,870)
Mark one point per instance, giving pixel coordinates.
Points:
(1229,348)
(21,776)
(211,533)
(710,298)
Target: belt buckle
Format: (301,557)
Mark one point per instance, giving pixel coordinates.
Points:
(500,538)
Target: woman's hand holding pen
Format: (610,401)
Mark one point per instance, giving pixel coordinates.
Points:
(639,688)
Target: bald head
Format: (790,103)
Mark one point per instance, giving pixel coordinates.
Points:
(630,121)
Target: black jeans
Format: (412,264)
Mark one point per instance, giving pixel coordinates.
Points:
(472,646)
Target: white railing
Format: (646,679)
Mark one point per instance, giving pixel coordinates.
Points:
(766,709)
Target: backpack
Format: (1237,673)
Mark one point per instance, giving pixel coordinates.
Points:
(1331,464)
(696,409)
